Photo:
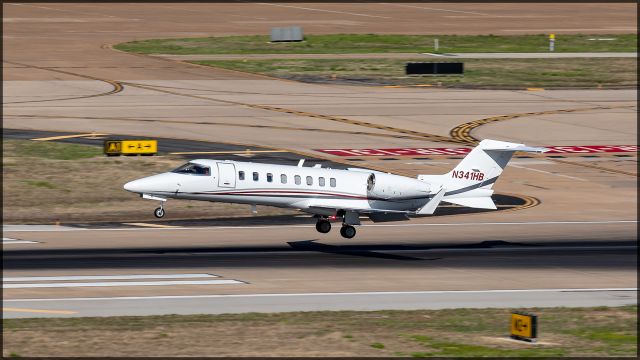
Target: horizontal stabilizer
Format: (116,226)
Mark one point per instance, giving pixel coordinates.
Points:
(484,202)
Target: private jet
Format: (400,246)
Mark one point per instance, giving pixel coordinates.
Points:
(334,194)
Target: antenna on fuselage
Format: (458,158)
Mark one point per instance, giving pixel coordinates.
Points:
(300,162)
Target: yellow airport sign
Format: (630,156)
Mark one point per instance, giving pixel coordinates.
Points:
(524,326)
(130,147)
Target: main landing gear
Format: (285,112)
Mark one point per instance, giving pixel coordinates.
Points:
(347,231)
(324,226)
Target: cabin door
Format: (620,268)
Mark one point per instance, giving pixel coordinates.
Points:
(226,175)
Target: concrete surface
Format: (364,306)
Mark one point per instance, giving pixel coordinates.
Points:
(221,304)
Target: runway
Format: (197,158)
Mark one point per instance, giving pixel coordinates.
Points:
(87,272)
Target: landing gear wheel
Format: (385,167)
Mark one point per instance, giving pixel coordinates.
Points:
(323,226)
(159,212)
(348,231)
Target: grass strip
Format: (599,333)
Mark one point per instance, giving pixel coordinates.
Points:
(373,43)
(599,331)
(45,182)
(481,73)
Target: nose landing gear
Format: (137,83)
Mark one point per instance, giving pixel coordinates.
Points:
(159,212)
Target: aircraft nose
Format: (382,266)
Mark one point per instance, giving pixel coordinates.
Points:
(134,186)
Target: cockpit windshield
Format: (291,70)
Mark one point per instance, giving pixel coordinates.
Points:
(193,169)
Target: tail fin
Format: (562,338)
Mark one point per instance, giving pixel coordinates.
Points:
(470,182)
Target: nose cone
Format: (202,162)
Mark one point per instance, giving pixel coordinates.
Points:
(136,186)
(166,182)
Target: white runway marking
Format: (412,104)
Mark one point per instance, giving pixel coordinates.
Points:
(323,10)
(9,241)
(119,283)
(547,172)
(26,228)
(109,277)
(323,294)
(438,9)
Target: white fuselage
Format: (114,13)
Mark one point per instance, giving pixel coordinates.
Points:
(335,194)
(321,189)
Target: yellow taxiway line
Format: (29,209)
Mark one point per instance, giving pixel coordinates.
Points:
(67,137)
(40,311)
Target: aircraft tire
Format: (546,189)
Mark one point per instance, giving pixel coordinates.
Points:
(159,212)
(348,231)
(323,226)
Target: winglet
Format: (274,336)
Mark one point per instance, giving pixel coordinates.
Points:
(430,207)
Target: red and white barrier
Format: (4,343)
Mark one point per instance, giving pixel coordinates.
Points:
(583,149)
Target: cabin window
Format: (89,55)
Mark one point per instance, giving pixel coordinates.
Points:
(269,177)
(240,175)
(321,181)
(309,180)
(256,177)
(193,169)
(332,182)
(298,179)
(283,178)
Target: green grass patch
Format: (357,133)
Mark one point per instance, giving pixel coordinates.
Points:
(373,43)
(52,150)
(40,184)
(486,73)
(377,345)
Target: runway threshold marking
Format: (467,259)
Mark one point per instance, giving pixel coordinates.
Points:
(107,277)
(151,225)
(324,294)
(68,137)
(119,283)
(42,311)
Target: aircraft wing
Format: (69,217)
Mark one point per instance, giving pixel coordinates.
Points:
(323,209)
(376,215)
(381,215)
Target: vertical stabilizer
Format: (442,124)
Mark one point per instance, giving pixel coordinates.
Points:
(473,178)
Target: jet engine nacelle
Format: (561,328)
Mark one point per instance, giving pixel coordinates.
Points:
(387,186)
